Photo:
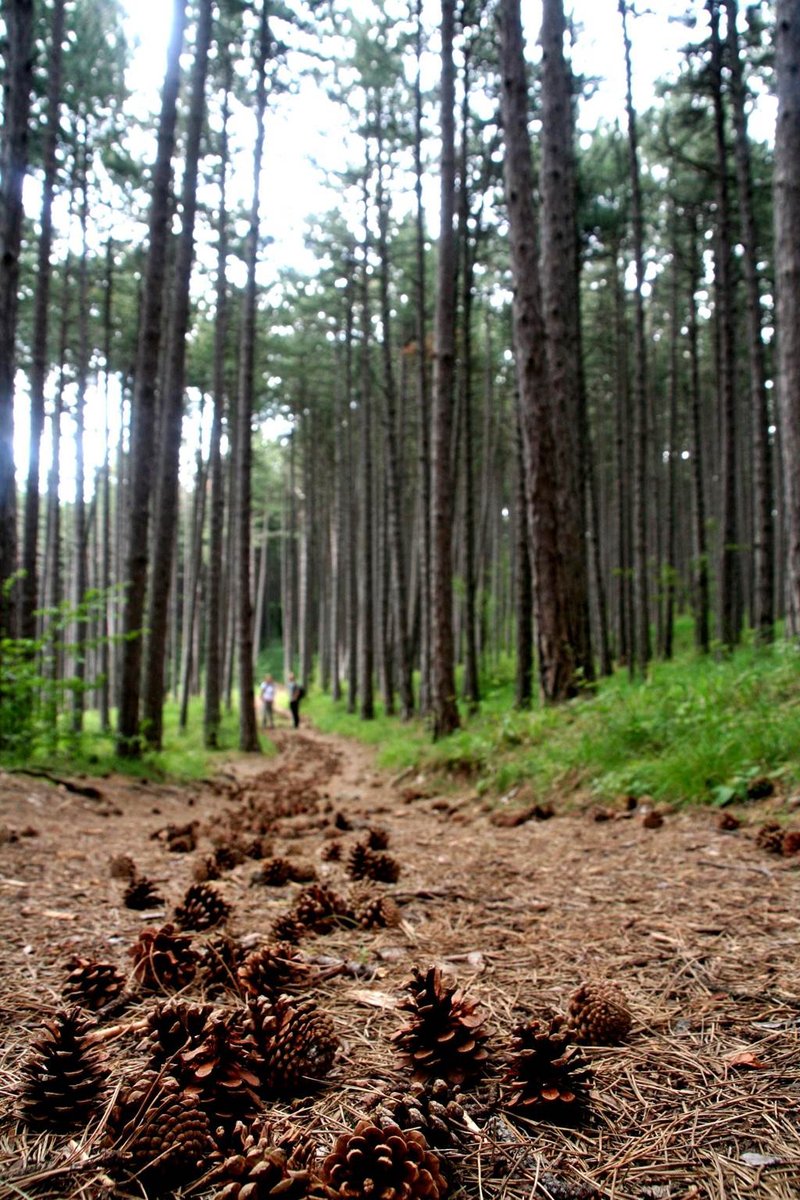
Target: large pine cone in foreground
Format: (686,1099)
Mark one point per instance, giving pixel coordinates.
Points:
(599,1014)
(379,1161)
(158,1133)
(297,1042)
(163,960)
(64,1075)
(547,1079)
(445,1033)
(211,1055)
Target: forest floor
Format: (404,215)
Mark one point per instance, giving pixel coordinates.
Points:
(700,928)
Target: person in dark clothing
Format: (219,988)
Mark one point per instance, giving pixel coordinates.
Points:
(295,696)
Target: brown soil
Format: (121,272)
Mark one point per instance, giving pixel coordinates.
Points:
(698,927)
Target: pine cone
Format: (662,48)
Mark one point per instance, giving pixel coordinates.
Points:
(364,863)
(377,839)
(206,869)
(203,908)
(64,1074)
(297,1042)
(547,1078)
(444,1035)
(273,969)
(332,852)
(92,984)
(319,908)
(212,1056)
(220,961)
(275,872)
(358,859)
(263,1169)
(158,1133)
(379,1160)
(122,866)
(599,1014)
(727,822)
(142,893)
(433,1108)
(287,928)
(770,837)
(163,960)
(373,910)
(228,855)
(790,844)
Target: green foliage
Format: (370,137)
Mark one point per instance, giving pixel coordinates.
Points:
(35,694)
(697,731)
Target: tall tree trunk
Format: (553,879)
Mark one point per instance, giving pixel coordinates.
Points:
(560,298)
(81,535)
(192,582)
(640,647)
(556,653)
(106,572)
(523,689)
(394,483)
(248,728)
(213,685)
(471,682)
(422,384)
(763,529)
(352,499)
(729,583)
(41,317)
(787,259)
(143,413)
(670,566)
(443,685)
(366,594)
(17,84)
(701,574)
(166,508)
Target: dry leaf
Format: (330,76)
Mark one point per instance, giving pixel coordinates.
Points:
(744,1058)
(373,999)
(59,914)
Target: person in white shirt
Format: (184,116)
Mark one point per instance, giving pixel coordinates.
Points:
(268,703)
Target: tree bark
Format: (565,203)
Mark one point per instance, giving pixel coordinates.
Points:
(143,413)
(557,678)
(560,298)
(763,616)
(729,583)
(16,107)
(787,259)
(443,686)
(640,646)
(248,728)
(213,684)
(394,483)
(366,591)
(41,320)
(166,508)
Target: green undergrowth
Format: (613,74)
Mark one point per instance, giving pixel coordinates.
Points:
(183,758)
(697,730)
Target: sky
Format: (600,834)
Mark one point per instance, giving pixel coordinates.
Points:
(307,129)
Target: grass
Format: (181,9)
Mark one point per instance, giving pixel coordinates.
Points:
(183,758)
(696,731)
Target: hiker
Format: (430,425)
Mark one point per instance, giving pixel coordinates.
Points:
(268,702)
(296,693)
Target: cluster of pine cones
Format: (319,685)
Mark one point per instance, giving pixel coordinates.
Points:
(195,1096)
(188,1104)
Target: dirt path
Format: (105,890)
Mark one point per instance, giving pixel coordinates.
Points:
(699,928)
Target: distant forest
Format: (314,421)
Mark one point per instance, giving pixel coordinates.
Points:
(536,425)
